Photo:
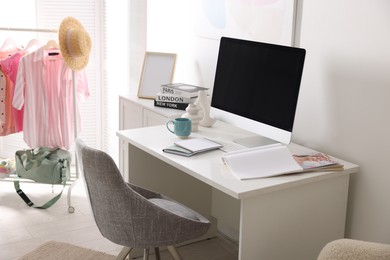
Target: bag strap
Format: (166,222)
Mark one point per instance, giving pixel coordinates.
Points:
(48,204)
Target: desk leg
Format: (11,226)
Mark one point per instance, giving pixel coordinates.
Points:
(123,158)
(294,223)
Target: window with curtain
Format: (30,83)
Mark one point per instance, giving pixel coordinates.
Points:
(115,71)
(50,13)
(107,70)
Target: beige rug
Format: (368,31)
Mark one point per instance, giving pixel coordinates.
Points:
(60,251)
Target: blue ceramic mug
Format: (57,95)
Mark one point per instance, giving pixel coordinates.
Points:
(181,127)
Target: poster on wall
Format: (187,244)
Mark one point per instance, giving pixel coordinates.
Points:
(258,20)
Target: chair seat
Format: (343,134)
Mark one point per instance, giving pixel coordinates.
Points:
(178,209)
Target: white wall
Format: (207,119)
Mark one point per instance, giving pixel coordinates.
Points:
(344,101)
(137,44)
(170,29)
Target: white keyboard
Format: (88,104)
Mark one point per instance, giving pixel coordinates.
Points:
(228,146)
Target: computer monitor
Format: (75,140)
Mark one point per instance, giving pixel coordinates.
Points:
(256,88)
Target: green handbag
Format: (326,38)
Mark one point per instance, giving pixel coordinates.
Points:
(42,165)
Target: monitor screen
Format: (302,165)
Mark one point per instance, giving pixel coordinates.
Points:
(256,86)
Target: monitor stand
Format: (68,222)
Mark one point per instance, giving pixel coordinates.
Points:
(254,141)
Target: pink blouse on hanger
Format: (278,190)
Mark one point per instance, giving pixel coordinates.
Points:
(7,122)
(10,67)
(44,87)
(2,103)
(6,113)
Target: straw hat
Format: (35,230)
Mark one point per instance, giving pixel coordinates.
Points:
(75,43)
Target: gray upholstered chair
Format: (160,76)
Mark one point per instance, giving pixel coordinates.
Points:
(132,216)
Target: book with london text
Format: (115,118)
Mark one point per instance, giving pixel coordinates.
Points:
(173,105)
(181,89)
(164,97)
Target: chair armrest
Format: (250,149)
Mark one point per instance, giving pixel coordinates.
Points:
(346,249)
(160,214)
(168,204)
(147,194)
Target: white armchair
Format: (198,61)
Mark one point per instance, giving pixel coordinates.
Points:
(350,249)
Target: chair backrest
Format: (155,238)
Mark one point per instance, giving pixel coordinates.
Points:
(109,195)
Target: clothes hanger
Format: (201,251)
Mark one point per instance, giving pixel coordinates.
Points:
(32,45)
(54,54)
(52,44)
(9,44)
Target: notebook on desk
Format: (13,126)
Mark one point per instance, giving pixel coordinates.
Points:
(192,146)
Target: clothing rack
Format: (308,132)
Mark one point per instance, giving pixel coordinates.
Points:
(70,207)
(28,30)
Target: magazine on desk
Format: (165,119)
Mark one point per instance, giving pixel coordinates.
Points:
(317,162)
(274,160)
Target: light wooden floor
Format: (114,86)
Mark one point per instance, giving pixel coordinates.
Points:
(22,228)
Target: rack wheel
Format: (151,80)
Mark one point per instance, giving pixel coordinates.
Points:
(71,209)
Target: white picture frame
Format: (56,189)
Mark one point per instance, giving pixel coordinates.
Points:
(263,21)
(158,69)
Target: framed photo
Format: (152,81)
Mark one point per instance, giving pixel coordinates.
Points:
(158,69)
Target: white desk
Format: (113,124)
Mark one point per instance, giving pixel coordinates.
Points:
(285,217)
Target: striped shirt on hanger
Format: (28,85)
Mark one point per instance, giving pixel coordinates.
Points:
(44,87)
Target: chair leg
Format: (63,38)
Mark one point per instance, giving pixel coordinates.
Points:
(174,253)
(123,253)
(146,253)
(157,253)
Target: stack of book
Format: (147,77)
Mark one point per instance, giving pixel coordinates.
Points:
(177,95)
